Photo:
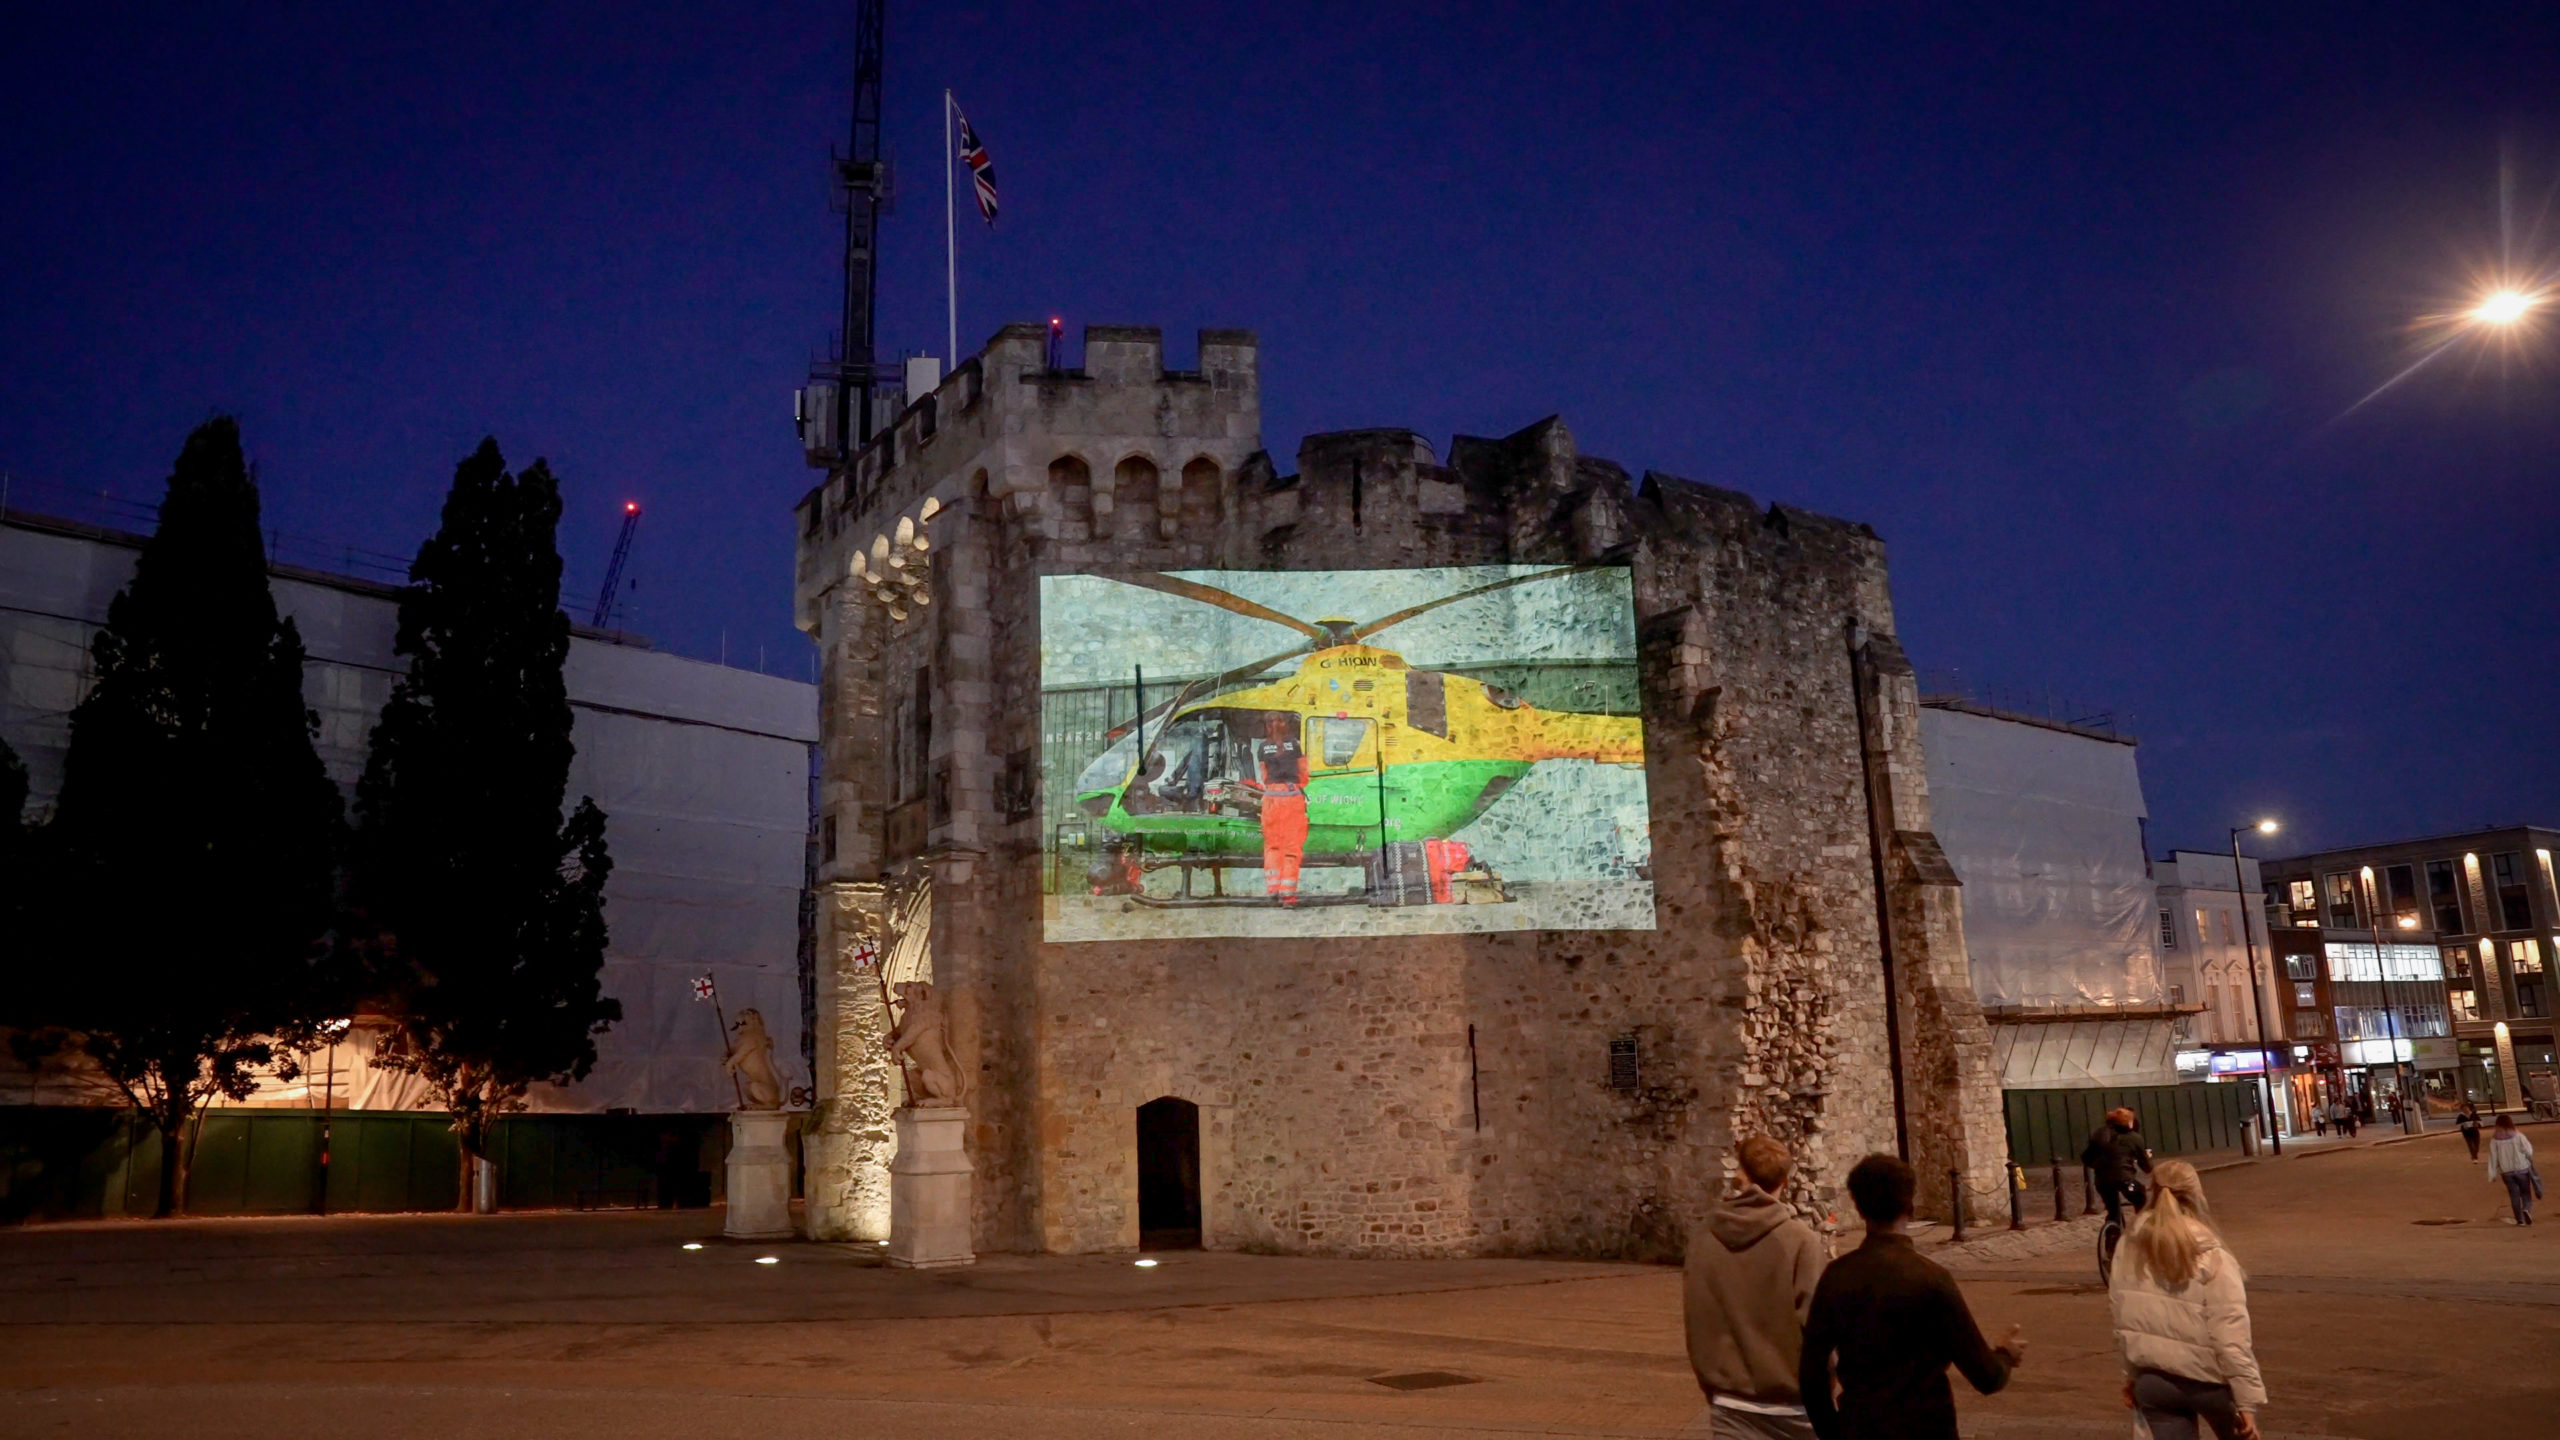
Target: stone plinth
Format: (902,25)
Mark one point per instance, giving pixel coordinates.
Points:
(759,1176)
(929,1190)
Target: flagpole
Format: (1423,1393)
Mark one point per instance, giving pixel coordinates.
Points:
(950,244)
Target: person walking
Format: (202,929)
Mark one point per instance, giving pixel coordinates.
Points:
(2511,1162)
(2320,1120)
(2345,1115)
(1745,1290)
(2180,1305)
(2116,1157)
(2467,1120)
(1886,1324)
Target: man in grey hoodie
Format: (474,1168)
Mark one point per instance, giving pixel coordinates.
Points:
(1749,1280)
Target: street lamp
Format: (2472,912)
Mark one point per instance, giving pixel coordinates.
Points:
(2409,1122)
(2257,989)
(2504,307)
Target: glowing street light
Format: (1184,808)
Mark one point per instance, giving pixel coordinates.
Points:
(2504,307)
(2257,989)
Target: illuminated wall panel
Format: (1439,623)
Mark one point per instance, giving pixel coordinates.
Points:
(1349,752)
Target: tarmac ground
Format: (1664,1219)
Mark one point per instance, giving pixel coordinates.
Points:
(2391,1303)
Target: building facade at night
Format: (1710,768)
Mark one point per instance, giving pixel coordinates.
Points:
(2206,925)
(701,769)
(1402,855)
(2482,908)
(2043,821)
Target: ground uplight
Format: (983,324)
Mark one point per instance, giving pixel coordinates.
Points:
(768,1259)
(693,1244)
(1145,1264)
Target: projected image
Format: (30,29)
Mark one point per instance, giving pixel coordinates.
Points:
(1346,752)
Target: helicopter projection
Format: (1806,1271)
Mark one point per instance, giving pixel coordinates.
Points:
(1467,755)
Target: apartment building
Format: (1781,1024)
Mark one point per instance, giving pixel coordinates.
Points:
(2475,916)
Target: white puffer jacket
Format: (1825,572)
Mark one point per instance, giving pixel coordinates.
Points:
(2199,1331)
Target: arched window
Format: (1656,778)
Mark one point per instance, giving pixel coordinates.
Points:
(1071,498)
(1134,491)
(1200,496)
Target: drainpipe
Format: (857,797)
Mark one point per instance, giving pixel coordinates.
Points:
(1859,673)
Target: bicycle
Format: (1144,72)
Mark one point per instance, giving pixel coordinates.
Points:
(2111,1233)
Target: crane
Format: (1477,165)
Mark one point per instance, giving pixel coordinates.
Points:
(613,571)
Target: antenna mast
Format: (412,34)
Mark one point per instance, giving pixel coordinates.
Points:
(613,572)
(865,177)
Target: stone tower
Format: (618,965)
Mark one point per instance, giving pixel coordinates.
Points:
(1383,1095)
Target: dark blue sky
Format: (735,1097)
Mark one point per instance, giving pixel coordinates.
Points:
(2065,312)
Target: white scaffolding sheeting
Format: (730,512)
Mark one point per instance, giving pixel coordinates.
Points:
(2044,826)
(701,770)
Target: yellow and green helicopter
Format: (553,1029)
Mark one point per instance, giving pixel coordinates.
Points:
(1391,756)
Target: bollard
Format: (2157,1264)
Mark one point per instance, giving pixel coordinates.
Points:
(1955,1202)
(2017,1196)
(2088,1191)
(2059,1214)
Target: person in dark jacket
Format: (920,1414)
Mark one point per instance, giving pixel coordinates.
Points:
(2467,1120)
(1886,1324)
(2116,1157)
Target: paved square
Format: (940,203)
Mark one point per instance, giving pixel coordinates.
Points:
(2371,1322)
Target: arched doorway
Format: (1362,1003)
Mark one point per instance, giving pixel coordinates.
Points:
(1169,1175)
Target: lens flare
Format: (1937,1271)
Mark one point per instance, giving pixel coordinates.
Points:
(2504,307)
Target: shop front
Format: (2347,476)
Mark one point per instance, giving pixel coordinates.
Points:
(2247,1067)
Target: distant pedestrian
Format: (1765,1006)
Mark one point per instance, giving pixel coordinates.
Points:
(2511,1161)
(1745,1291)
(1893,1323)
(2181,1311)
(2320,1120)
(2345,1115)
(2118,1159)
(2467,1120)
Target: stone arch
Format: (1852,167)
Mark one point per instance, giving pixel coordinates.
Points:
(1136,487)
(1071,497)
(1200,484)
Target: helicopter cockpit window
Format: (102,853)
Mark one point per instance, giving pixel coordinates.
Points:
(1338,738)
(1179,767)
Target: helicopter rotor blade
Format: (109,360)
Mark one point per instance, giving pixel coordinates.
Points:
(1211,595)
(1401,616)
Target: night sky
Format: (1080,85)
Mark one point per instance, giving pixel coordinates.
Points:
(2069,314)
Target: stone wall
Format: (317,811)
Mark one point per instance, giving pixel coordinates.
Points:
(1391,1096)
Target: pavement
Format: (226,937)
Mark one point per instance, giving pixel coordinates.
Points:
(2390,1305)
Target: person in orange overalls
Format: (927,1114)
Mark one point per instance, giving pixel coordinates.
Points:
(1284,809)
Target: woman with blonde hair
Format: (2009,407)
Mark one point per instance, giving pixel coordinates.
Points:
(2181,1311)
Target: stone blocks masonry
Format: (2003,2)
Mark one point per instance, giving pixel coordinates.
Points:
(1334,1077)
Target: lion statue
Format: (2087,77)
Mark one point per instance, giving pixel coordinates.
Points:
(751,1060)
(922,1046)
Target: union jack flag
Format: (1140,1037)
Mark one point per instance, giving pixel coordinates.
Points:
(981,170)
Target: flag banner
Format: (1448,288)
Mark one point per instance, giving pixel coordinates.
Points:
(982,171)
(702,989)
(866,955)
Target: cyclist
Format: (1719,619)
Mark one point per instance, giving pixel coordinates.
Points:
(2117,1157)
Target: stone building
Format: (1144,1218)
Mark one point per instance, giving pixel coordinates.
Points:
(1556,1091)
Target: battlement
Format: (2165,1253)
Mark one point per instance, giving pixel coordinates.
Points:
(1007,427)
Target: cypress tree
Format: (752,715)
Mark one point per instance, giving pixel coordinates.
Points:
(483,908)
(191,793)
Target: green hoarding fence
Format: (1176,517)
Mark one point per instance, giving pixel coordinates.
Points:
(2176,1119)
(70,1162)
